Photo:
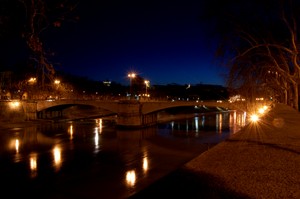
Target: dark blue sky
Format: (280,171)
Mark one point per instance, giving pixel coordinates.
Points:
(162,41)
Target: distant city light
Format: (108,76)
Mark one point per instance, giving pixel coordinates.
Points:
(107,83)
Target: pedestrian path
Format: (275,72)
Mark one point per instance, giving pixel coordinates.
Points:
(260,161)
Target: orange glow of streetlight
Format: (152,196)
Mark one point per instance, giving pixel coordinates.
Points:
(56,81)
(32,79)
(131,76)
(147,83)
(254,118)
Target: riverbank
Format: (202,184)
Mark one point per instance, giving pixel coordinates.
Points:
(260,161)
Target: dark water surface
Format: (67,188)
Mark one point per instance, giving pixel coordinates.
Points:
(92,159)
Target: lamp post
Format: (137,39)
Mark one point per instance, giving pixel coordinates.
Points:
(147,82)
(131,76)
(57,83)
(31,90)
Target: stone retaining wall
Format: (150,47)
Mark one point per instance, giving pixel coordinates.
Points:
(11,112)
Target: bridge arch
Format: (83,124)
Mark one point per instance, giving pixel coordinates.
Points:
(110,106)
(60,109)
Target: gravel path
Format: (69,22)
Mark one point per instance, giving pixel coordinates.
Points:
(260,161)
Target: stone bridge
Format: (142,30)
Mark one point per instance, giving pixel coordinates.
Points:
(130,113)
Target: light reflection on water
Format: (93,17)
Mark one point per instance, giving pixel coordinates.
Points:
(57,159)
(200,125)
(130,178)
(95,148)
(33,164)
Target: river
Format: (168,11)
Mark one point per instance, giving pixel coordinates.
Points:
(91,158)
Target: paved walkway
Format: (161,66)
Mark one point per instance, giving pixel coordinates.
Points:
(260,161)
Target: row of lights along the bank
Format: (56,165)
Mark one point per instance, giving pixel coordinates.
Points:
(255,117)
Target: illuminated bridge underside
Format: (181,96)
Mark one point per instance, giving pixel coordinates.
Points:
(132,113)
(146,107)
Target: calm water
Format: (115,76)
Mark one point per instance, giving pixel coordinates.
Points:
(92,159)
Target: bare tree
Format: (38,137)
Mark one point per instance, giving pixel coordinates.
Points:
(41,15)
(30,19)
(259,43)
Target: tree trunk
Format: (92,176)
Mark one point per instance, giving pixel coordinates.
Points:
(296,96)
(285,96)
(285,93)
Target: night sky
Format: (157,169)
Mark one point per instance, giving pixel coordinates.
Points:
(162,41)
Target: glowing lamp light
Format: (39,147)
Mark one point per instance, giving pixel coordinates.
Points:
(14,104)
(131,75)
(254,118)
(32,80)
(261,111)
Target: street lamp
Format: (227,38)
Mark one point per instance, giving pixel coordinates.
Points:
(57,82)
(32,80)
(131,76)
(147,82)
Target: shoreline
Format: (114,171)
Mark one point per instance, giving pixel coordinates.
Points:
(260,161)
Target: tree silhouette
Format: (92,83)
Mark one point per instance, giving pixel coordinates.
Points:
(30,19)
(258,41)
